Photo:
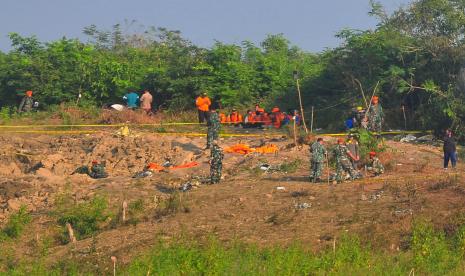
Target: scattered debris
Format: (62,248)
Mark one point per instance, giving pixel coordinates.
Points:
(280,188)
(409,138)
(299,193)
(376,196)
(403,212)
(143,174)
(186,187)
(303,205)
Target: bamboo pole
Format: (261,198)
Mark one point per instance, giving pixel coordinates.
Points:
(301,106)
(405,117)
(295,134)
(311,123)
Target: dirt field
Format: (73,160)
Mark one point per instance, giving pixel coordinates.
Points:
(247,206)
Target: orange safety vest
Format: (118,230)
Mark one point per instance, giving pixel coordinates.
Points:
(203,104)
(235,118)
(223,118)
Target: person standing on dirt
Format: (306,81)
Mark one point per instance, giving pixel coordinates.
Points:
(354,148)
(375,116)
(450,150)
(214,125)
(203,104)
(319,154)
(132,100)
(26,103)
(216,162)
(343,165)
(146,102)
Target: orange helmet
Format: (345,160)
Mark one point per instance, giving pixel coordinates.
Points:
(375,99)
(372,153)
(340,140)
(29,93)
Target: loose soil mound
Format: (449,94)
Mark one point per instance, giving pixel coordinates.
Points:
(277,206)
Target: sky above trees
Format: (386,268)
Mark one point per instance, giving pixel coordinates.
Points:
(309,24)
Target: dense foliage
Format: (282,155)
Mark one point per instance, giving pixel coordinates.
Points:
(414,58)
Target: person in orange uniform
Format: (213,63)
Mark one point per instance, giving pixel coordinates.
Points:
(203,103)
(235,118)
(223,118)
(277,117)
(266,120)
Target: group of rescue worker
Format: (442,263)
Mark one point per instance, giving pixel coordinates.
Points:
(371,118)
(347,157)
(257,118)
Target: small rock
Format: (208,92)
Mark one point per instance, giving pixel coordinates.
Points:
(13,205)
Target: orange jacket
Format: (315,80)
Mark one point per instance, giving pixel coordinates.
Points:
(235,117)
(203,104)
(278,117)
(252,118)
(265,119)
(223,118)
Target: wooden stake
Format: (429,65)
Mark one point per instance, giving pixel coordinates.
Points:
(301,106)
(327,166)
(72,238)
(405,117)
(125,208)
(311,123)
(295,134)
(113,259)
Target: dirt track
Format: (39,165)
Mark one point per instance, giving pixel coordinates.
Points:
(246,206)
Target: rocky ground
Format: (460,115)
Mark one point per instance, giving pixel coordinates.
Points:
(278,206)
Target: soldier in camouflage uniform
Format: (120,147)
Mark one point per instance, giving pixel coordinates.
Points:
(97,170)
(216,162)
(26,103)
(318,152)
(343,165)
(375,116)
(214,126)
(376,167)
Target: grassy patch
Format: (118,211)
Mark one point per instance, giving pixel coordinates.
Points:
(175,203)
(16,224)
(86,218)
(290,167)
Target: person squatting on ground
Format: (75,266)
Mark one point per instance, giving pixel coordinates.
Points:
(318,158)
(450,150)
(96,170)
(343,165)
(375,116)
(26,103)
(203,103)
(375,164)
(216,162)
(214,126)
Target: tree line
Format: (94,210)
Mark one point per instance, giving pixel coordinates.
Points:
(414,57)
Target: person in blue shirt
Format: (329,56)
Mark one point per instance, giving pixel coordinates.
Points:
(349,123)
(132,100)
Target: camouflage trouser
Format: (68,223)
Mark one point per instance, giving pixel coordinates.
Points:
(215,172)
(317,169)
(343,166)
(212,135)
(375,125)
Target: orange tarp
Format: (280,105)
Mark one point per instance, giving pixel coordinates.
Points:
(245,149)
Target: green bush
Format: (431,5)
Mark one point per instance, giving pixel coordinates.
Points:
(431,250)
(16,224)
(85,218)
